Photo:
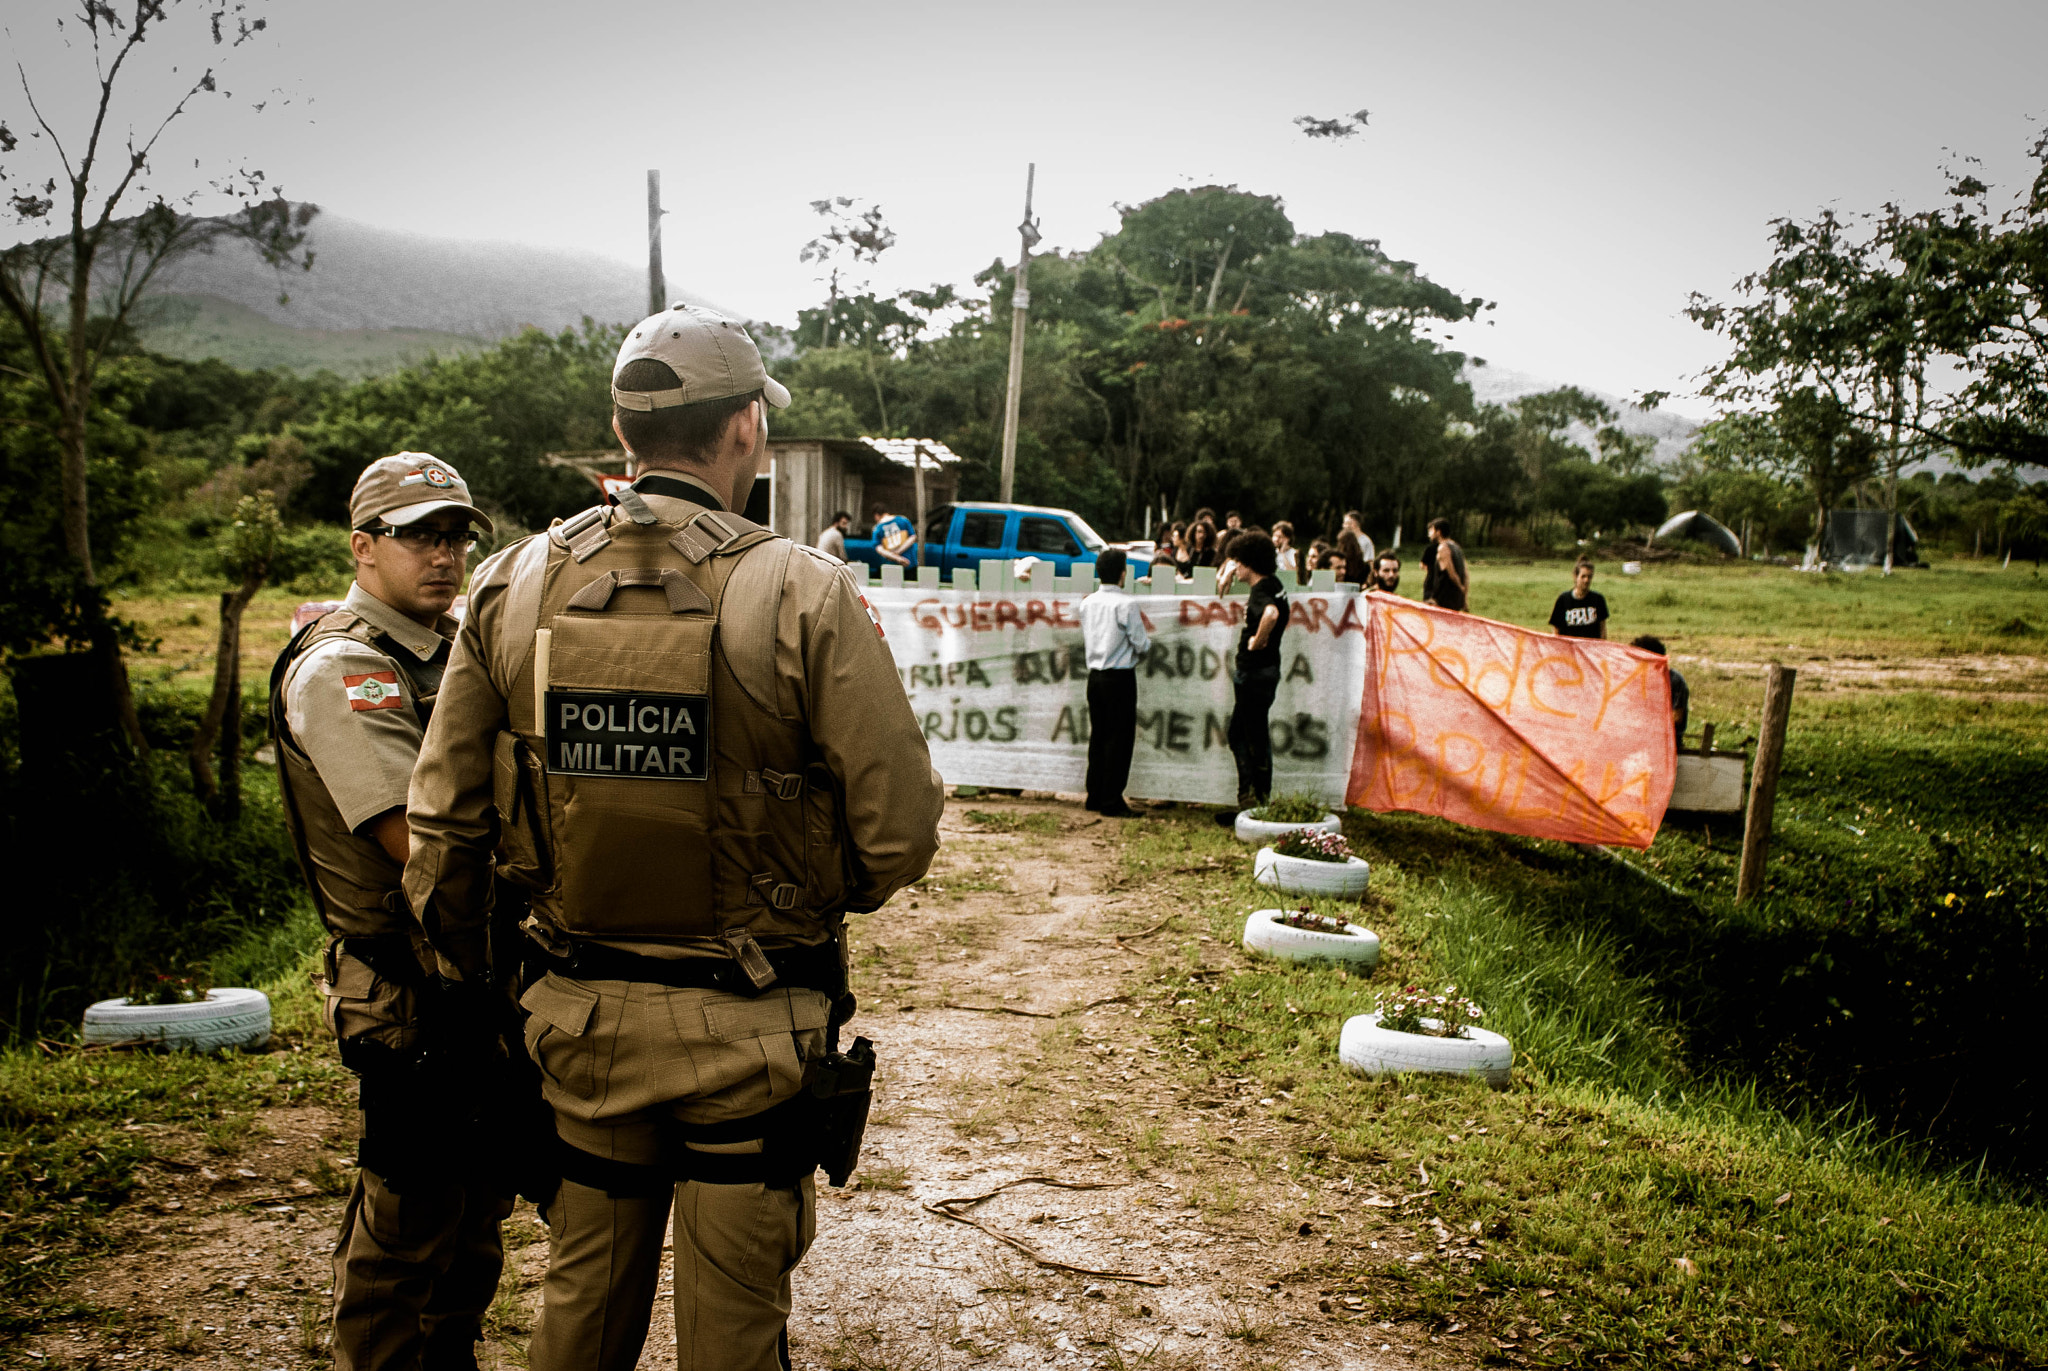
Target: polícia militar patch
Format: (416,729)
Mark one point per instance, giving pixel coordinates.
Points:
(611,733)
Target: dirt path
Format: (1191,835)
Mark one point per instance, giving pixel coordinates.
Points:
(1050,1073)
(2012,677)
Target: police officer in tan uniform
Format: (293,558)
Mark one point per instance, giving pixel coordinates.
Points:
(418,1258)
(685,736)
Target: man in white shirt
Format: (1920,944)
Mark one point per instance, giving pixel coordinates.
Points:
(1114,631)
(832,542)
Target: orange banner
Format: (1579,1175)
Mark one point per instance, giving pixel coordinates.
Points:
(1498,727)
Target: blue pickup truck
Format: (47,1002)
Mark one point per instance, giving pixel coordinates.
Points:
(966,534)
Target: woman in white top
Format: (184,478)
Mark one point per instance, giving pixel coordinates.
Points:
(1283,547)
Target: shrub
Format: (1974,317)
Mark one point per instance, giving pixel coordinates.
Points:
(1314,845)
(1294,808)
(135,881)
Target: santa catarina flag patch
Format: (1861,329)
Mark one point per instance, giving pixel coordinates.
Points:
(373,690)
(874,617)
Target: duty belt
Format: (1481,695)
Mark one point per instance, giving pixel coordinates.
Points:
(390,955)
(796,968)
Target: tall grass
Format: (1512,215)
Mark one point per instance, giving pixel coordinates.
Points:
(1629,1201)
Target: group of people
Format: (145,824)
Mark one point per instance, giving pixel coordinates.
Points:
(1350,557)
(584,859)
(1115,639)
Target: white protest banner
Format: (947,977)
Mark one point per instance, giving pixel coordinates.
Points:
(999,681)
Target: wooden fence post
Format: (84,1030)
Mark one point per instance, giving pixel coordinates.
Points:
(1763,781)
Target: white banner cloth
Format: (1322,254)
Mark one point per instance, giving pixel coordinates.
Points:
(999,681)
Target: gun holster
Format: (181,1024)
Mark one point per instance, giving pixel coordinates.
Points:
(841,1087)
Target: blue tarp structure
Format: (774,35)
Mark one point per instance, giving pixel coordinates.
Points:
(1855,540)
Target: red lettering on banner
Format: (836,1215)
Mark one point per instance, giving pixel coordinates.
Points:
(924,617)
(1313,616)
(1350,619)
(1007,616)
(1060,617)
(1191,614)
(978,613)
(1034,613)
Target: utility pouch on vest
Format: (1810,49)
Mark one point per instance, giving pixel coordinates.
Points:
(519,788)
(627,771)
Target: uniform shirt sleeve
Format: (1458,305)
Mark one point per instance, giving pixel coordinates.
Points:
(349,713)
(852,698)
(451,808)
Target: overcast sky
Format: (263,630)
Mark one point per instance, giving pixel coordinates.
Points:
(1584,164)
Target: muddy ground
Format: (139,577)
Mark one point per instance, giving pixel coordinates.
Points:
(1008,996)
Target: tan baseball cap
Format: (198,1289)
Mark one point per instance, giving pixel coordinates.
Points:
(710,354)
(407,487)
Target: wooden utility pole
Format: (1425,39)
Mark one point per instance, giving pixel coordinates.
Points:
(919,469)
(1019,313)
(1763,781)
(657,285)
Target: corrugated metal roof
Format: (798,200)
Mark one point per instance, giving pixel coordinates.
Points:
(904,451)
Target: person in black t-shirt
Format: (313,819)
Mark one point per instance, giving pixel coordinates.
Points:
(1444,581)
(1580,612)
(1257,676)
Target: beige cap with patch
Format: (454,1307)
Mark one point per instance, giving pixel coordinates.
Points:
(710,354)
(407,487)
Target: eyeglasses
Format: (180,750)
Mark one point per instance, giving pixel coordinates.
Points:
(426,539)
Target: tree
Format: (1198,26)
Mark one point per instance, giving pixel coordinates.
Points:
(852,238)
(247,550)
(1837,316)
(1984,305)
(1823,442)
(120,227)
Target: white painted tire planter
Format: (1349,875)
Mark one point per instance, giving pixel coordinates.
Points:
(226,1019)
(1263,932)
(1261,831)
(1345,880)
(1365,1046)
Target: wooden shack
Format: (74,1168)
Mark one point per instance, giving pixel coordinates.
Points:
(803,482)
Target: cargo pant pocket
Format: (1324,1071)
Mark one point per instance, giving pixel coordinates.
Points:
(558,1018)
(786,1028)
(359,1006)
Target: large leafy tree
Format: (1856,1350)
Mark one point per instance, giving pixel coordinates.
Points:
(1204,353)
(118,224)
(1869,311)
(1983,274)
(1829,334)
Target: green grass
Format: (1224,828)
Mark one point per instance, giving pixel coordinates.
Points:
(1037,822)
(1615,1156)
(1752,613)
(76,1127)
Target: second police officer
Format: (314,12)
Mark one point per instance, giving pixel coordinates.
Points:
(686,737)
